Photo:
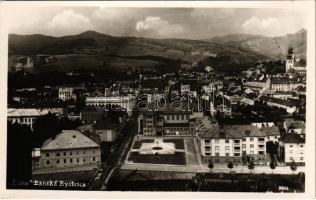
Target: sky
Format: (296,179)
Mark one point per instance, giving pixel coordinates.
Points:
(187,23)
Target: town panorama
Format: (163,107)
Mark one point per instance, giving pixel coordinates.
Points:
(166,105)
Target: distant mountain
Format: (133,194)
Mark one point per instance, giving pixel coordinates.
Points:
(273,47)
(91,49)
(231,38)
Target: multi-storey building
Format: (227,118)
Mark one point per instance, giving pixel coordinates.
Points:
(285,84)
(239,144)
(66,93)
(70,148)
(291,148)
(166,122)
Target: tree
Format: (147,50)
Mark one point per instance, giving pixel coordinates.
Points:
(210,165)
(293,166)
(251,166)
(45,127)
(272,165)
(19,155)
(230,165)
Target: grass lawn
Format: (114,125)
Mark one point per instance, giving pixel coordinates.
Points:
(170,159)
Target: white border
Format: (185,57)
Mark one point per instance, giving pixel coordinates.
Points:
(307,6)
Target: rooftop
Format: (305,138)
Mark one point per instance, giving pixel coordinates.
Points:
(292,138)
(69,139)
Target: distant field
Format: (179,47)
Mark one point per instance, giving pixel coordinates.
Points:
(81,61)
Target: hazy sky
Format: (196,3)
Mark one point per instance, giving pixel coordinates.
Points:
(190,23)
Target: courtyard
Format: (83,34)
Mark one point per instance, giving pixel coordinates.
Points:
(163,154)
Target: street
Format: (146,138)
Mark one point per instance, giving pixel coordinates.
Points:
(115,157)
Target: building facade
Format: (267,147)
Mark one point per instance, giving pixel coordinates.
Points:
(239,144)
(70,148)
(66,93)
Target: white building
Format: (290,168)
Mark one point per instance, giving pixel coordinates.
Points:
(70,148)
(292,149)
(27,116)
(65,93)
(239,144)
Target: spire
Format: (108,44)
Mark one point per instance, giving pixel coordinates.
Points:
(290,50)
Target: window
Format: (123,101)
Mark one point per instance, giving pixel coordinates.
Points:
(251,139)
(251,152)
(64,153)
(70,160)
(291,151)
(251,145)
(243,139)
(178,117)
(47,154)
(217,150)
(78,160)
(236,154)
(47,162)
(77,152)
(301,158)
(291,146)
(70,153)
(168,117)
(65,160)
(84,159)
(237,141)
(57,161)
(226,141)
(207,154)
(244,146)
(301,145)
(93,158)
(182,117)
(57,154)
(93,152)
(216,141)
(237,148)
(207,148)
(172,116)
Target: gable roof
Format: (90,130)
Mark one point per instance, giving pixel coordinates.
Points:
(69,139)
(292,138)
(270,130)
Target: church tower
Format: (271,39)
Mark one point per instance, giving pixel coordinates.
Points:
(289,64)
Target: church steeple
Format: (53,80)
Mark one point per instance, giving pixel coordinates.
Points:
(289,64)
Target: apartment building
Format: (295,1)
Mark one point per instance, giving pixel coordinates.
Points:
(292,149)
(239,144)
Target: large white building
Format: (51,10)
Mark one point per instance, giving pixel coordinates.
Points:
(239,144)
(70,148)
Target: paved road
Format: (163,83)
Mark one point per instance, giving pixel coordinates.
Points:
(115,158)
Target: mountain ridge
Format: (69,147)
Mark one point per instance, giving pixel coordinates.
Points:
(231,51)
